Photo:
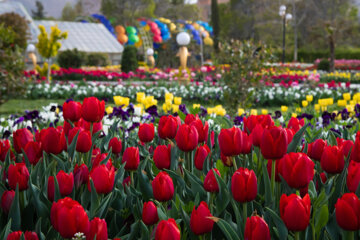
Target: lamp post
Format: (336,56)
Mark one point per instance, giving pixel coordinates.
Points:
(285,17)
(150,57)
(30,50)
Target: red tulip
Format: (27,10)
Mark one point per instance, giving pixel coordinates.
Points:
(167,127)
(162,156)
(227,161)
(27,236)
(210,183)
(6,200)
(264,120)
(200,155)
(212,138)
(297,169)
(355,153)
(277,169)
(190,118)
(84,141)
(99,158)
(256,229)
(244,185)
(21,137)
(295,124)
(69,217)
(115,145)
(97,126)
(33,152)
(149,213)
(92,109)
(52,140)
(4,149)
(103,179)
(126,181)
(295,211)
(332,159)
(187,138)
(132,158)
(81,175)
(146,132)
(72,111)
(18,174)
(66,126)
(290,134)
(347,210)
(95,153)
(166,230)
(230,141)
(163,187)
(346,145)
(98,227)
(353,177)
(274,143)
(65,182)
(315,149)
(199,222)
(202,129)
(256,134)
(246,143)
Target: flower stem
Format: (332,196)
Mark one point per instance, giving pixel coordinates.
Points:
(245,212)
(132,178)
(348,235)
(234,163)
(297,236)
(273,162)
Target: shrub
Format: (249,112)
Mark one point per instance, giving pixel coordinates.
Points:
(71,59)
(129,59)
(324,65)
(97,59)
(19,25)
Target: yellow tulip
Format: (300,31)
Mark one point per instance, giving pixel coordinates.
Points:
(284,108)
(264,111)
(323,102)
(350,108)
(210,110)
(140,96)
(309,98)
(305,103)
(169,96)
(121,101)
(253,112)
(341,103)
(109,110)
(317,107)
(298,109)
(294,115)
(177,100)
(195,106)
(241,111)
(329,101)
(175,108)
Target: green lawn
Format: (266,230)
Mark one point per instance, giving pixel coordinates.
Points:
(18,106)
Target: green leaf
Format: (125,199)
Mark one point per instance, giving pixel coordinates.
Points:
(283,232)
(144,182)
(14,213)
(145,235)
(312,190)
(5,232)
(57,194)
(321,218)
(174,158)
(40,207)
(223,197)
(267,185)
(104,206)
(227,230)
(72,147)
(296,141)
(196,184)
(94,200)
(162,215)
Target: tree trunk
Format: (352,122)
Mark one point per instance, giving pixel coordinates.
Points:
(215,23)
(295,32)
(332,52)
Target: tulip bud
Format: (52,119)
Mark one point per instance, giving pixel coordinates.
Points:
(33,152)
(256,134)
(98,227)
(210,183)
(199,221)
(65,182)
(103,179)
(18,174)
(69,217)
(294,206)
(6,200)
(52,140)
(200,155)
(132,158)
(264,120)
(97,126)
(27,236)
(21,137)
(256,228)
(84,141)
(167,127)
(244,185)
(295,124)
(246,143)
(99,158)
(166,230)
(346,145)
(146,132)
(297,169)
(187,138)
(230,141)
(353,176)
(274,142)
(163,187)
(115,145)
(202,129)
(227,161)
(315,149)
(92,110)
(355,153)
(72,111)
(149,213)
(81,175)
(347,212)
(162,156)
(332,159)
(190,118)
(4,149)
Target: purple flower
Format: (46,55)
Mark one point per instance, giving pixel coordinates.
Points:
(183,109)
(238,120)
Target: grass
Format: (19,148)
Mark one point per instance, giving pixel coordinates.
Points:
(18,106)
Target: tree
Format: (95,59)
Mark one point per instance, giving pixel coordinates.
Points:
(19,25)
(215,23)
(49,45)
(68,13)
(39,13)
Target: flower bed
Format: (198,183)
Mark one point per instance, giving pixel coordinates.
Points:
(155,175)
